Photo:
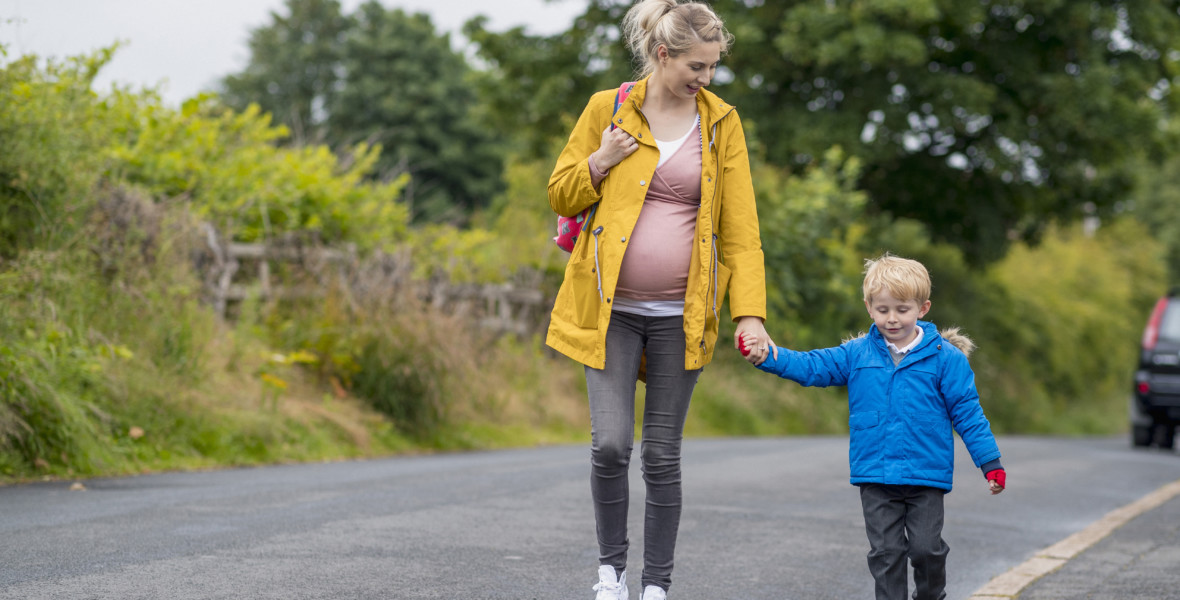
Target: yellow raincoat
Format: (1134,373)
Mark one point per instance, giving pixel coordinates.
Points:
(727,253)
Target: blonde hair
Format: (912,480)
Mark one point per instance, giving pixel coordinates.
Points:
(903,278)
(670,23)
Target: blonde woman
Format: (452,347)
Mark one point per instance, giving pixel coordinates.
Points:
(675,229)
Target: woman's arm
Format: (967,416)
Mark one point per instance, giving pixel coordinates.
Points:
(740,242)
(573,185)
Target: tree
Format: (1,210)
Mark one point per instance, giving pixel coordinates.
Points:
(383,78)
(1156,204)
(983,119)
(404,88)
(292,68)
(534,85)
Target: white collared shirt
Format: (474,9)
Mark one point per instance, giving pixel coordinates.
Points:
(909,346)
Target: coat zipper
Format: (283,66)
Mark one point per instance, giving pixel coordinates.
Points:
(714,258)
(597,269)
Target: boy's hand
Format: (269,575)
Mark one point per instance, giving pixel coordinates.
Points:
(997,480)
(753,341)
(748,343)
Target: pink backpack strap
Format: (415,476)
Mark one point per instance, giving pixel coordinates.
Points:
(568,228)
(620,98)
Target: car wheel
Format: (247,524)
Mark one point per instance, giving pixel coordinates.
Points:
(1165,435)
(1141,435)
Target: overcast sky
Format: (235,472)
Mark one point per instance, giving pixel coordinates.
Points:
(185,46)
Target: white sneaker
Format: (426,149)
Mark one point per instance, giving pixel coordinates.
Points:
(654,592)
(609,587)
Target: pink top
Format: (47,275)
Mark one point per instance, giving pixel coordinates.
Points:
(656,264)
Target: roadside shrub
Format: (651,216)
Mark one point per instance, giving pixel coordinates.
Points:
(1068,335)
(401,357)
(51,373)
(53,132)
(399,376)
(48,414)
(227,166)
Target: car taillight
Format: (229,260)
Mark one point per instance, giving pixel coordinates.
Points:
(1143,387)
(1151,334)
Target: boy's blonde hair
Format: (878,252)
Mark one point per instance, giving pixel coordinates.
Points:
(903,278)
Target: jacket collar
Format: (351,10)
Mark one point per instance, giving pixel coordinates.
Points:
(930,339)
(710,106)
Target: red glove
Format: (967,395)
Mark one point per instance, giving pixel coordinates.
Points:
(745,348)
(999,477)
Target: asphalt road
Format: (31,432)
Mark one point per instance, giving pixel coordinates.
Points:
(763,519)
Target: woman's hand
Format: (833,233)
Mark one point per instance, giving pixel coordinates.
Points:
(752,330)
(616,145)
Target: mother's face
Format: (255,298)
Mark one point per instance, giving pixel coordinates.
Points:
(687,73)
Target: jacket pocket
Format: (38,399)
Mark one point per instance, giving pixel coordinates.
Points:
(866,443)
(931,446)
(585,297)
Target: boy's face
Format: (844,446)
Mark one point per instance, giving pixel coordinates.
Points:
(897,320)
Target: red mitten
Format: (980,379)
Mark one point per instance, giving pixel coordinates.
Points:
(745,348)
(999,477)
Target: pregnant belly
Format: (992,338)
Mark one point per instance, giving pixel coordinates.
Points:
(655,266)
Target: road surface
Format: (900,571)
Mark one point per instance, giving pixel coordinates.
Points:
(763,519)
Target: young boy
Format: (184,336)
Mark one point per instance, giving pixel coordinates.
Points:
(908,386)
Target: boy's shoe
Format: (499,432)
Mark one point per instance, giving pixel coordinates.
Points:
(609,587)
(654,592)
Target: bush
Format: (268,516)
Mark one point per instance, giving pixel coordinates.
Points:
(49,419)
(1066,342)
(53,132)
(227,166)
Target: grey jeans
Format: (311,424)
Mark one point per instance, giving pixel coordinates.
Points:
(612,416)
(905,521)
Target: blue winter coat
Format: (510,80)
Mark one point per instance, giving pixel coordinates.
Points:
(900,417)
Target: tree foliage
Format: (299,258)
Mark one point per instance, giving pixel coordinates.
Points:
(384,78)
(1156,203)
(984,120)
(292,67)
(534,85)
(226,165)
(50,124)
(815,234)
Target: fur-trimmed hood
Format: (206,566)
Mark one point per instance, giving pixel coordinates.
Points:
(958,339)
(954,335)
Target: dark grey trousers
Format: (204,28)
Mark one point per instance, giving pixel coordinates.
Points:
(905,521)
(612,415)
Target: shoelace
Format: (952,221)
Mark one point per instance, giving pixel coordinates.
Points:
(606,586)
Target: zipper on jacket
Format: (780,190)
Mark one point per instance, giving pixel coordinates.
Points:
(597,269)
(716,257)
(716,289)
(713,264)
(713,249)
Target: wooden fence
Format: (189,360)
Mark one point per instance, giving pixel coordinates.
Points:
(294,269)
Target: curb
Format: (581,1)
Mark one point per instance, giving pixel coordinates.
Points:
(1047,560)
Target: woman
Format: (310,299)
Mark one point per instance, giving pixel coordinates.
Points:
(675,227)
